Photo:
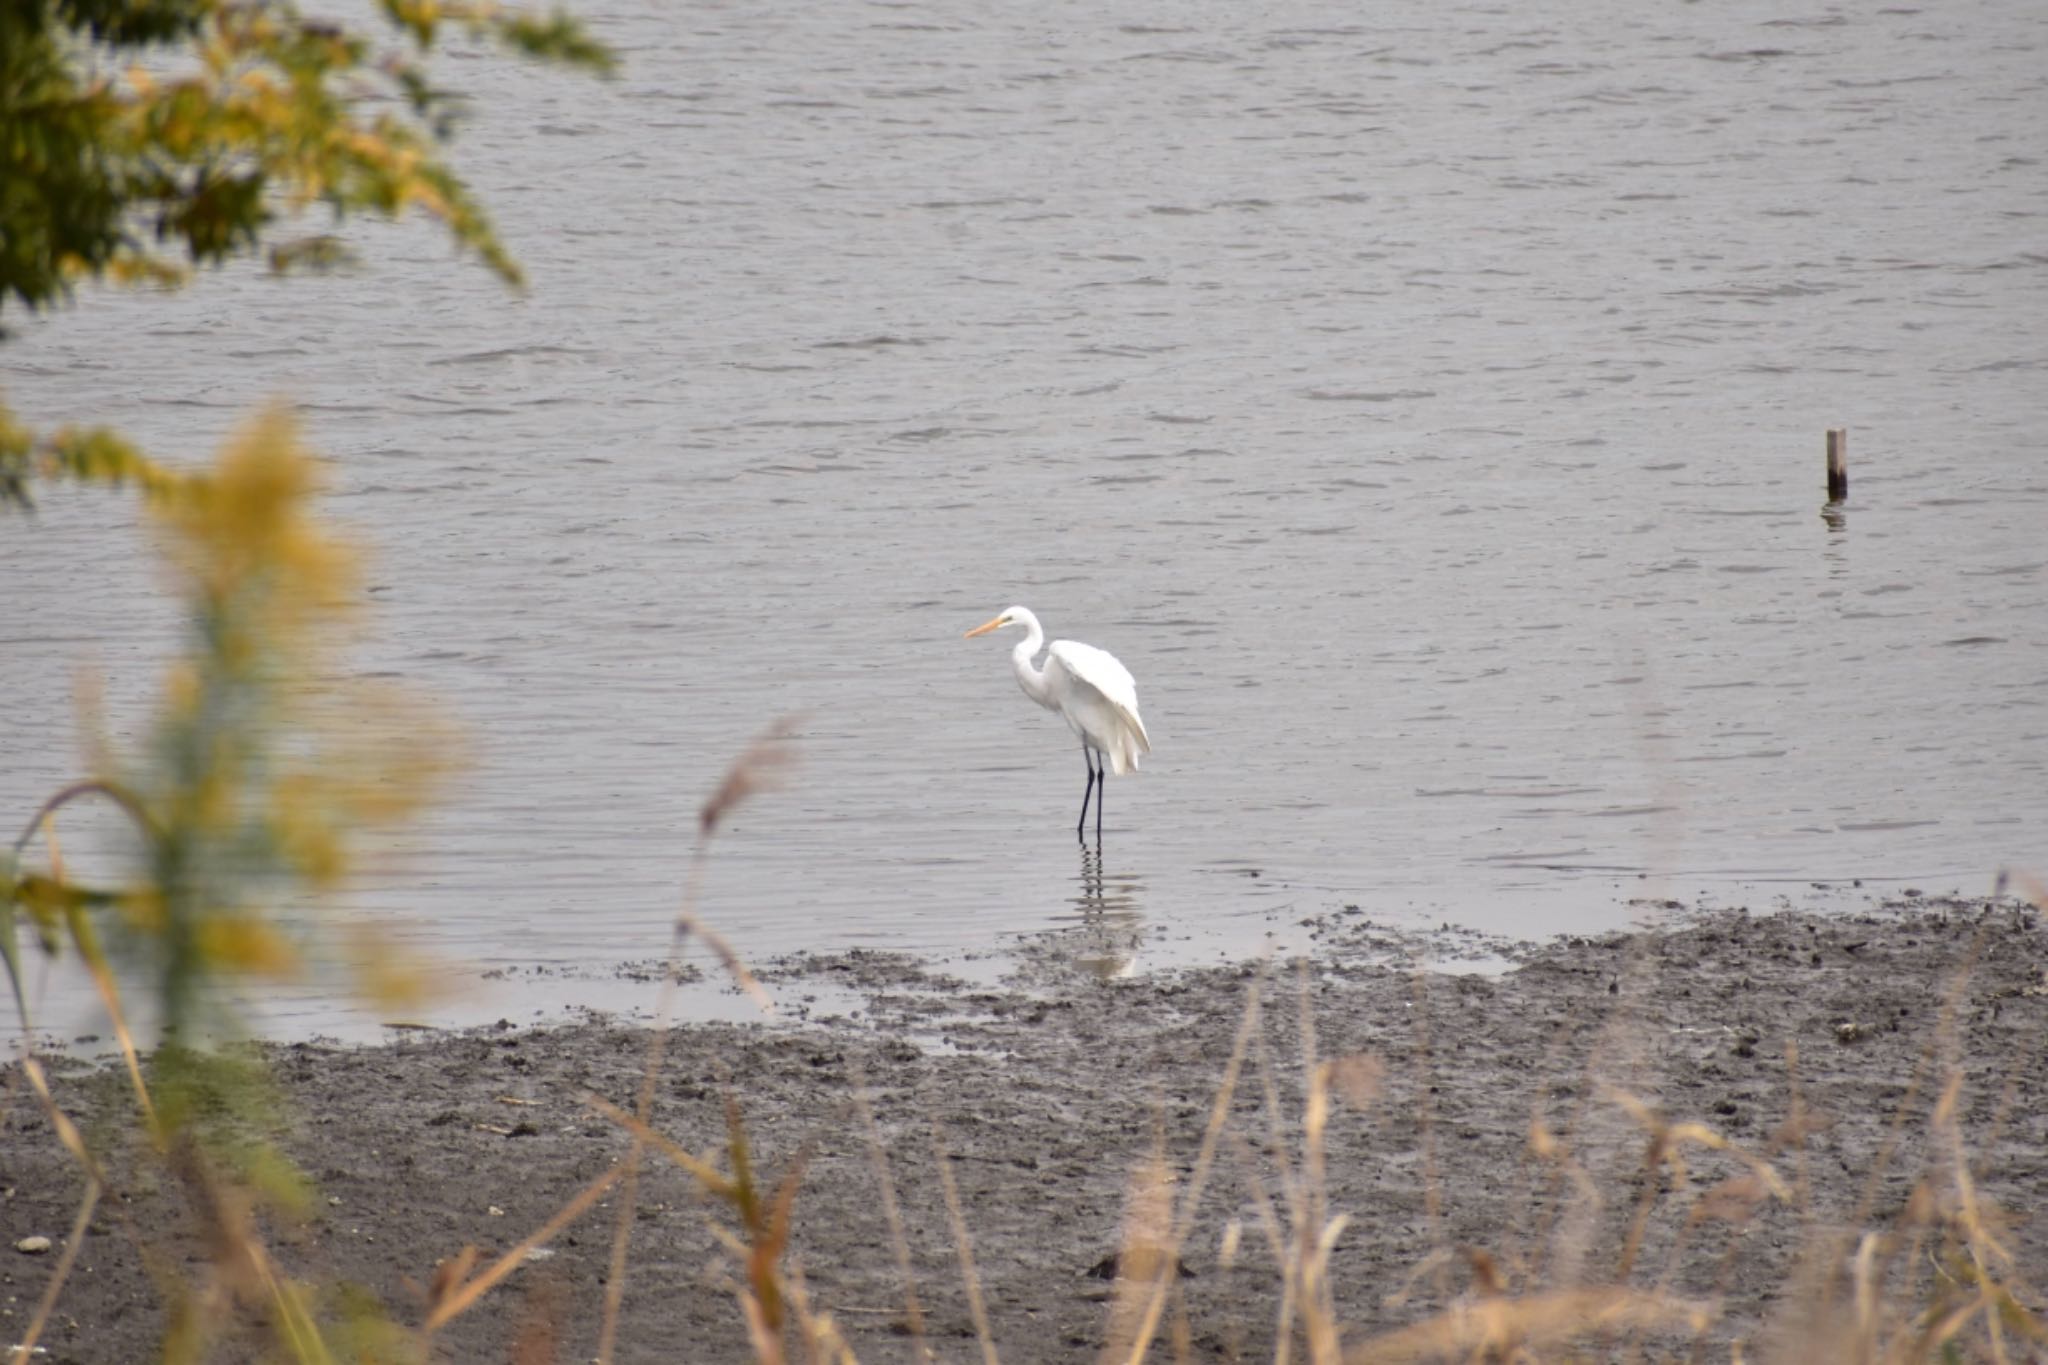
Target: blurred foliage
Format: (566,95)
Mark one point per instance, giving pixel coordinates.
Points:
(263,770)
(140,139)
(82,456)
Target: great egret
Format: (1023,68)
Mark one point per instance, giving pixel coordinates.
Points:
(1093,693)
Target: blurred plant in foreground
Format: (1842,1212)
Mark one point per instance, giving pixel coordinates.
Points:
(139,141)
(263,768)
(264,771)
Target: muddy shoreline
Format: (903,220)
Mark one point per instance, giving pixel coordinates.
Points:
(1046,1096)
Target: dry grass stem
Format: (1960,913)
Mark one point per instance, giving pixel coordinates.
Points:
(892,1214)
(87,942)
(26,1348)
(688,925)
(1490,1329)
(760,767)
(957,1220)
(765,1224)
(1142,1258)
(622,1237)
(1432,1185)
(1315,1114)
(290,1313)
(823,1344)
(765,1340)
(1543,1150)
(462,1296)
(710,1177)
(110,996)
(67,1132)
(538,1338)
(1198,1178)
(120,796)
(763,765)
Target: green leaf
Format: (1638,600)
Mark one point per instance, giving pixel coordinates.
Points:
(559,38)
(9,862)
(320,255)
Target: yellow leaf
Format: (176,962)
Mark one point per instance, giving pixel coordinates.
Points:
(244,944)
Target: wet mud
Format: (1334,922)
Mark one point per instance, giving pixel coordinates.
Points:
(1485,1128)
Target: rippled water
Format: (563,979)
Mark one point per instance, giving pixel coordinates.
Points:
(1425,403)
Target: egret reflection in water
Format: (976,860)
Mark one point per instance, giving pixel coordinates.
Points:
(1106,926)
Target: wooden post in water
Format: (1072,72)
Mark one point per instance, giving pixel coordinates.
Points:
(1838,464)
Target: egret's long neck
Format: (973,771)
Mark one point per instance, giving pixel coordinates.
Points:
(1030,677)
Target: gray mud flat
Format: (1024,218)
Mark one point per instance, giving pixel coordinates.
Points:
(1046,1100)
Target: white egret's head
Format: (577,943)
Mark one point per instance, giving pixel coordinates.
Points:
(1010,616)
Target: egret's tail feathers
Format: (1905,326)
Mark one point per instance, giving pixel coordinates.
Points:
(1131,740)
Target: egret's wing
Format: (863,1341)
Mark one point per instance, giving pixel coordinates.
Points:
(1098,669)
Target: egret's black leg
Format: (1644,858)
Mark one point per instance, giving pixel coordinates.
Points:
(1101,783)
(1081,829)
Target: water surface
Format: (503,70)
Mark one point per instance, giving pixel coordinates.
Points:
(1426,405)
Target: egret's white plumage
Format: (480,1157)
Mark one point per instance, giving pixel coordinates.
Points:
(1099,699)
(1093,693)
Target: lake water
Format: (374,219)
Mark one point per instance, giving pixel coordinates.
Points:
(1426,404)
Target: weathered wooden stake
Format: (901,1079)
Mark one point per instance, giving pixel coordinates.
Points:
(1838,464)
